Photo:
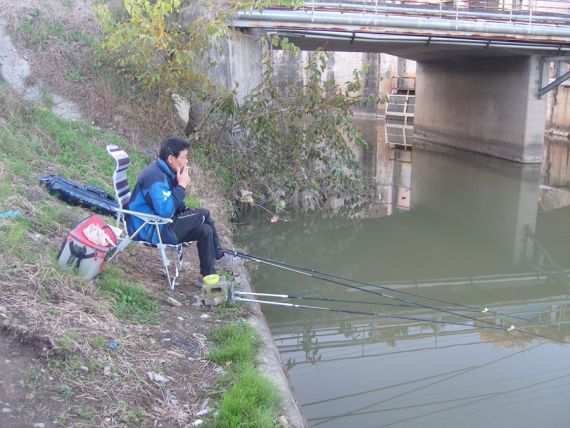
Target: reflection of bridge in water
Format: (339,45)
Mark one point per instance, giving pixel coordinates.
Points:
(317,346)
(361,337)
(374,346)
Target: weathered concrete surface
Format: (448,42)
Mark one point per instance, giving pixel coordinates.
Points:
(239,67)
(15,70)
(556,164)
(245,59)
(558,112)
(378,80)
(269,360)
(484,105)
(552,198)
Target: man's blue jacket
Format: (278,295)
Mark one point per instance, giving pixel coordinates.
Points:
(156,192)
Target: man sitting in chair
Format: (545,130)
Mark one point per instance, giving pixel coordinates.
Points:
(160,190)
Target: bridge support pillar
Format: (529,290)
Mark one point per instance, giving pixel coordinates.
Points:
(484,105)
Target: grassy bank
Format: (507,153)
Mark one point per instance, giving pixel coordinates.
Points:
(69,320)
(100,339)
(247,399)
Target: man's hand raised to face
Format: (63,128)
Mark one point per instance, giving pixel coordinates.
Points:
(182,176)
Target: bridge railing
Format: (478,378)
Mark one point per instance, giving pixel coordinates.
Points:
(547,12)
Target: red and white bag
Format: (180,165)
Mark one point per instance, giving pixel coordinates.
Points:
(88,247)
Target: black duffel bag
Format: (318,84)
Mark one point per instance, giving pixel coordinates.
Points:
(91,197)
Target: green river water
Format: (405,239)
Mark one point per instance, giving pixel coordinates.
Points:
(451,226)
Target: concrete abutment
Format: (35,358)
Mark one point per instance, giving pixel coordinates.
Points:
(483,105)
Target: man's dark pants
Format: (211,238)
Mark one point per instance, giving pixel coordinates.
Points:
(195,224)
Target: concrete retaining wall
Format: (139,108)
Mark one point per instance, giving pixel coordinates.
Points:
(290,70)
(269,361)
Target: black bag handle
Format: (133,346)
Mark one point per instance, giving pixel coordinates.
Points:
(79,253)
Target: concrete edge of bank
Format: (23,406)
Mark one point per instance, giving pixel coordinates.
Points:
(269,361)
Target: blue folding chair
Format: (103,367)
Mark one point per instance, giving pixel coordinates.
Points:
(123,196)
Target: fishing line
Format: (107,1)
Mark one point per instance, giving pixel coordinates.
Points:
(436,382)
(448,375)
(323,277)
(500,393)
(374,314)
(294,268)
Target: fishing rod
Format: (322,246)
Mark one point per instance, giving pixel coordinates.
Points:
(297,269)
(358,302)
(323,276)
(240,294)
(374,314)
(318,275)
(326,299)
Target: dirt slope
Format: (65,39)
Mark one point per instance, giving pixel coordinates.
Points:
(58,367)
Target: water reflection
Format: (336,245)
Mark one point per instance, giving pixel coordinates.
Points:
(497,199)
(474,235)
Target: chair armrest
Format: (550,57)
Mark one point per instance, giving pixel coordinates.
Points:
(144,216)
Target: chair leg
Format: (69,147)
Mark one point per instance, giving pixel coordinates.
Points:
(166,264)
(177,255)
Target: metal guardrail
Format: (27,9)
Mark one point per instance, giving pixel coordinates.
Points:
(553,12)
(501,22)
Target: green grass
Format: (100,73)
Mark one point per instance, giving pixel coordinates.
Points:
(236,343)
(98,342)
(75,76)
(132,302)
(192,202)
(41,32)
(16,235)
(81,37)
(48,214)
(251,402)
(66,342)
(5,190)
(134,416)
(73,149)
(15,240)
(227,310)
(248,400)
(66,392)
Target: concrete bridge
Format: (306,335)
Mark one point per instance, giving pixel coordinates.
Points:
(482,65)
